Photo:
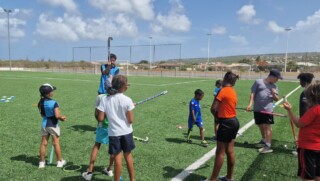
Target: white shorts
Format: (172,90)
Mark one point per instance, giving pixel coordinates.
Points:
(53,131)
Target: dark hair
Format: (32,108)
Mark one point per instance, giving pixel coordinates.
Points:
(230,78)
(312,93)
(112,56)
(305,77)
(118,82)
(219,82)
(198,92)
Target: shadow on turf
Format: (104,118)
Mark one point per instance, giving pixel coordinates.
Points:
(98,170)
(82,128)
(34,160)
(171,172)
(278,148)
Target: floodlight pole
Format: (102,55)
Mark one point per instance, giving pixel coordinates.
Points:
(286,59)
(150,53)
(8,11)
(209,38)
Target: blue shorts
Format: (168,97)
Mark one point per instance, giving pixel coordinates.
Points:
(102,135)
(199,124)
(123,143)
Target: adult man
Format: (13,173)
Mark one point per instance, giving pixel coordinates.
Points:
(263,93)
(108,71)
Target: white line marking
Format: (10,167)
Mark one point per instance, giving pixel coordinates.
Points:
(190,169)
(82,80)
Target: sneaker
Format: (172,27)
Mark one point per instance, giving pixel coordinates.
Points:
(42,164)
(204,143)
(224,179)
(265,149)
(108,172)
(261,144)
(61,163)
(87,176)
(295,153)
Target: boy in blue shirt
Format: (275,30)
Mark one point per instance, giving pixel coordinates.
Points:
(108,71)
(195,116)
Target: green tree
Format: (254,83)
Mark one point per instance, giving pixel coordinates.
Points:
(144,62)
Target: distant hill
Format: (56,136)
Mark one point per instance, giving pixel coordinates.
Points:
(276,57)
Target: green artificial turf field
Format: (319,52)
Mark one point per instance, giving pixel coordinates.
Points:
(163,157)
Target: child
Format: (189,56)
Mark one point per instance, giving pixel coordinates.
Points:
(101,138)
(108,71)
(225,103)
(309,135)
(195,116)
(214,113)
(118,108)
(50,112)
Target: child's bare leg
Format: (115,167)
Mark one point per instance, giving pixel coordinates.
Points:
(111,161)
(201,134)
(118,166)
(43,147)
(93,156)
(129,161)
(56,144)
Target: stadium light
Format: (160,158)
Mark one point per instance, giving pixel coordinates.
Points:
(150,52)
(8,11)
(209,38)
(286,59)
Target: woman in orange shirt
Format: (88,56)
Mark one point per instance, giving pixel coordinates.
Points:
(225,103)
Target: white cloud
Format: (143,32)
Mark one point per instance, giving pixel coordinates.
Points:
(176,20)
(311,23)
(219,30)
(247,13)
(72,28)
(141,8)
(17,20)
(238,39)
(275,28)
(69,5)
(55,29)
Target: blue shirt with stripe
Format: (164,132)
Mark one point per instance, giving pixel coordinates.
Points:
(194,105)
(113,71)
(47,113)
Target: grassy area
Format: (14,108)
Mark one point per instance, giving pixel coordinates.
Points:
(162,158)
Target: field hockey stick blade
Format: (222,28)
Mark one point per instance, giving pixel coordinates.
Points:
(152,97)
(272,113)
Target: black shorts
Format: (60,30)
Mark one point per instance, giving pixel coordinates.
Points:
(308,164)
(123,143)
(260,118)
(228,129)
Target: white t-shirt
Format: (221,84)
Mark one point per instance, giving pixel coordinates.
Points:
(115,107)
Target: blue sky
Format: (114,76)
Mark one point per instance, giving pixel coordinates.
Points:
(49,29)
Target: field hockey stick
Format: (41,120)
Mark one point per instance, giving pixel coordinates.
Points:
(51,154)
(245,109)
(272,113)
(152,97)
(141,139)
(109,40)
(293,132)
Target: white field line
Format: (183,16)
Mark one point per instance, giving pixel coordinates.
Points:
(82,80)
(190,169)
